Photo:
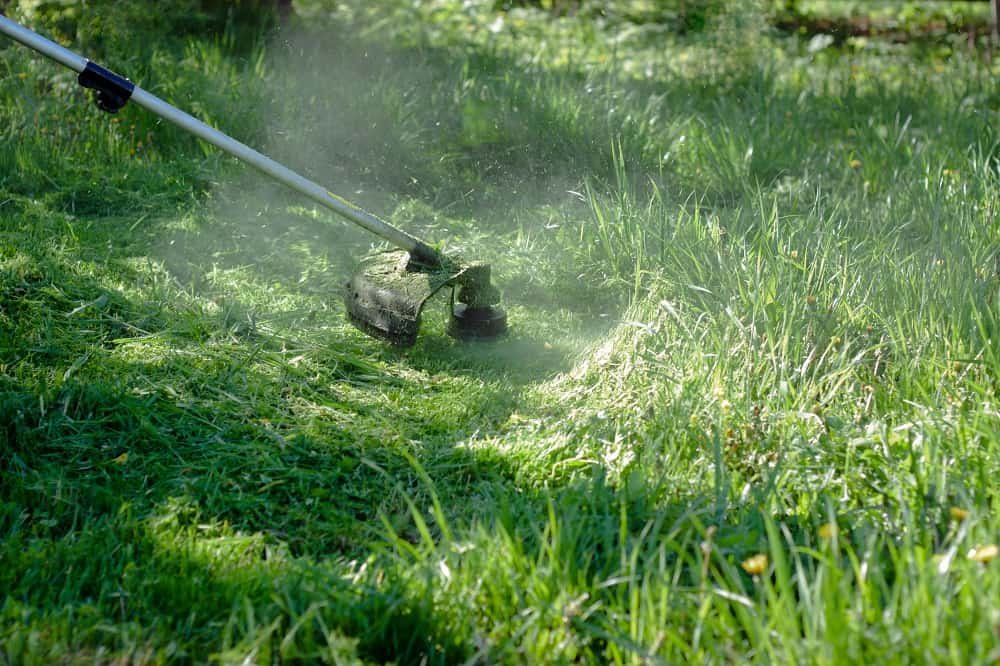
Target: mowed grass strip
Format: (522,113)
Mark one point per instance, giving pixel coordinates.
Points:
(746,411)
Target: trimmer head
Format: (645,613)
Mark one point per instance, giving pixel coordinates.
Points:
(484,323)
(386,296)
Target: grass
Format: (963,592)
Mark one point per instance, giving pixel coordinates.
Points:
(746,411)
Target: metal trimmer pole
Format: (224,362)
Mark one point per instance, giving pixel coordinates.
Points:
(113,91)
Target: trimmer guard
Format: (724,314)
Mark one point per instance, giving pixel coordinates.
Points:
(385,297)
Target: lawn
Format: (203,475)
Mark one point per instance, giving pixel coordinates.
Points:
(747,409)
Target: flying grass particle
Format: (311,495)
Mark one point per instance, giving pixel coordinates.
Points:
(755,565)
(984,554)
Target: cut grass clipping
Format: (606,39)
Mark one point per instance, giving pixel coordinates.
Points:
(746,411)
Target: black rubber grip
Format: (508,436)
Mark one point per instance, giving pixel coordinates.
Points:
(113,91)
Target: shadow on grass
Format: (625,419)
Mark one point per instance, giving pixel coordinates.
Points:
(161,438)
(108,400)
(165,473)
(179,572)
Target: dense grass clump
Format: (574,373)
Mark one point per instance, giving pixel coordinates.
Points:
(746,411)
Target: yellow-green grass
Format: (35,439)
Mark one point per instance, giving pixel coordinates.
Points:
(746,412)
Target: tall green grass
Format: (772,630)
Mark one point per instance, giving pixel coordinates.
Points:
(746,411)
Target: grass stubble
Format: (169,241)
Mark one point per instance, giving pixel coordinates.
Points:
(747,409)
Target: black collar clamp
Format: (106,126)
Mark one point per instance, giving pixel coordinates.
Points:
(113,91)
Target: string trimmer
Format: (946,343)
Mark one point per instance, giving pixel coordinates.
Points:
(385,298)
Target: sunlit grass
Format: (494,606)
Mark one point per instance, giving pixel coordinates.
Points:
(746,410)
